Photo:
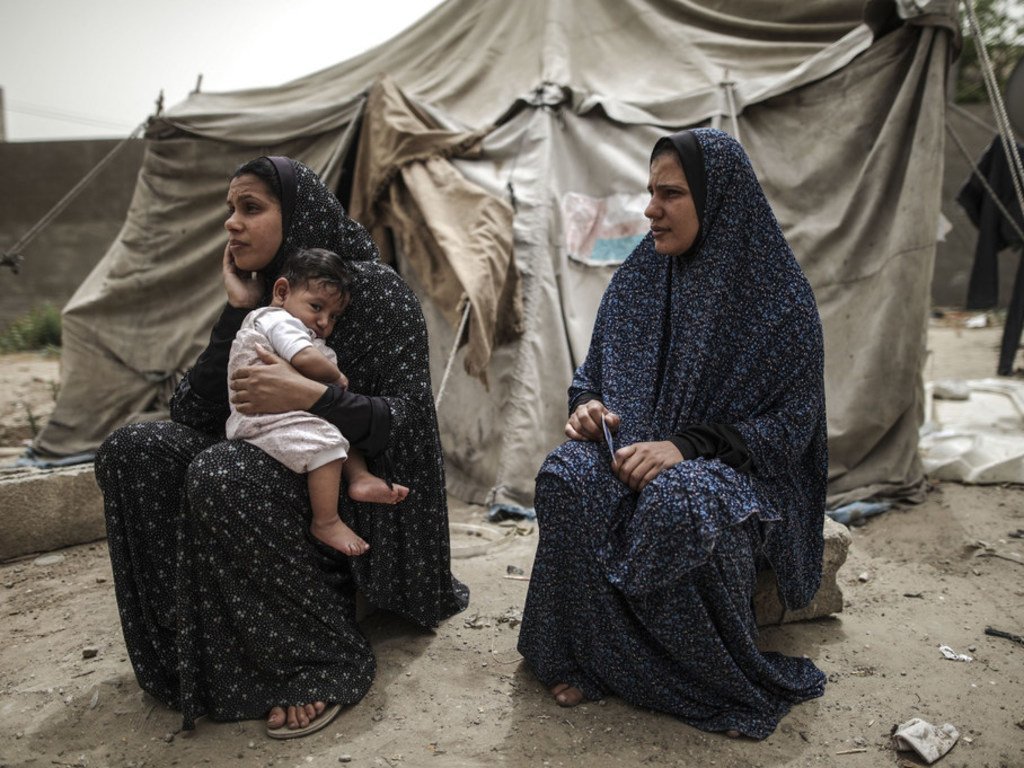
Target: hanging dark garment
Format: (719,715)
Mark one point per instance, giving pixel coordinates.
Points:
(994,231)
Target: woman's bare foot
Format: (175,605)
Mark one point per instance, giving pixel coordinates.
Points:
(294,716)
(337,535)
(370,488)
(566,695)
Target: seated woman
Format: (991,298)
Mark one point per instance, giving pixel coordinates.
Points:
(229,607)
(706,359)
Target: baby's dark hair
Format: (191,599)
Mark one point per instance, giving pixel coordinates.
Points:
(318,266)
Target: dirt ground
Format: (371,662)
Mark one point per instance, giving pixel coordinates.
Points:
(460,696)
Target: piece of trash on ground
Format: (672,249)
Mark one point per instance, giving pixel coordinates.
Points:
(929,741)
(857,511)
(498,512)
(951,389)
(977,321)
(993,632)
(952,655)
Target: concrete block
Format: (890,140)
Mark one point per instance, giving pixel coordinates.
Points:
(768,608)
(45,509)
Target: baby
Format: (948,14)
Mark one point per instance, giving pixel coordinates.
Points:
(308,298)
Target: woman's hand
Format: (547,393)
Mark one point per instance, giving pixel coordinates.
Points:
(244,291)
(272,387)
(636,465)
(585,422)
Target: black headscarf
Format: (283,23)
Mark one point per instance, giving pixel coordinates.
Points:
(691,158)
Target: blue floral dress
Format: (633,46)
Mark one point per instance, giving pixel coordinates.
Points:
(648,596)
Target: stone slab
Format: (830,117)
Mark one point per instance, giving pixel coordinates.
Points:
(46,509)
(768,608)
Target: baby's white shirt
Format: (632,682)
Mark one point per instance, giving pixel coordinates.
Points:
(285,332)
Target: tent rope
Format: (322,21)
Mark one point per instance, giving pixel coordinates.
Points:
(729,86)
(984,182)
(972,117)
(12,257)
(451,357)
(1002,119)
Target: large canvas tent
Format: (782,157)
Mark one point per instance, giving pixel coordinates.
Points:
(498,152)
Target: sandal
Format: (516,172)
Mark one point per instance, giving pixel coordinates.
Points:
(320,721)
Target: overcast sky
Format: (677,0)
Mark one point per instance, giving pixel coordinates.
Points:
(93,68)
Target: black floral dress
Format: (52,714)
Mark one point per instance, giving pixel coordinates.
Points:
(227,604)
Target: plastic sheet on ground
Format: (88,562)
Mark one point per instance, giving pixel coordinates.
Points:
(976,440)
(929,741)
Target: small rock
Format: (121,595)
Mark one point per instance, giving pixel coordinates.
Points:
(252,745)
(972,648)
(864,577)
(9,584)
(514,570)
(344,758)
(168,737)
(90,652)
(44,560)
(95,699)
(100,579)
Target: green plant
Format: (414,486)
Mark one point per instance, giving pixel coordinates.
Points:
(33,422)
(39,329)
(1001,23)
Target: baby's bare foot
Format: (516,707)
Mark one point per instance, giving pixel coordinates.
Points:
(370,488)
(339,536)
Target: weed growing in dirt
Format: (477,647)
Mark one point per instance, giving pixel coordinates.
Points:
(33,422)
(38,329)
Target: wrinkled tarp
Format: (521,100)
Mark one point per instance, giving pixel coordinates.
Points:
(455,235)
(844,131)
(978,439)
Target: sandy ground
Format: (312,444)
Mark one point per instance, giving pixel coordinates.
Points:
(460,696)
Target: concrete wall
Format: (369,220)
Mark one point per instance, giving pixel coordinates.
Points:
(35,176)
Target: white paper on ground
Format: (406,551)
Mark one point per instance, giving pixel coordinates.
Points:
(929,741)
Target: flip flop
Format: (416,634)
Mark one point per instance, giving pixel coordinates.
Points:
(320,721)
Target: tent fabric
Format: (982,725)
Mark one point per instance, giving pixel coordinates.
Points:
(529,103)
(452,233)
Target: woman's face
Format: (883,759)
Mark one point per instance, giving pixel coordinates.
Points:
(253,223)
(674,222)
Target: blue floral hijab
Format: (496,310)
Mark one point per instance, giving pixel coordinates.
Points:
(727,333)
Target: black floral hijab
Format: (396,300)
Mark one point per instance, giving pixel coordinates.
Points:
(313,217)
